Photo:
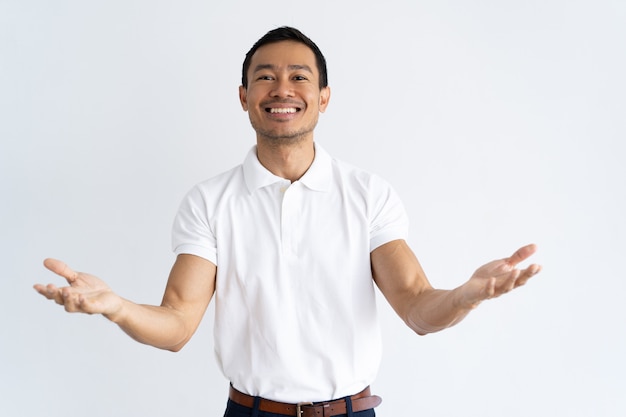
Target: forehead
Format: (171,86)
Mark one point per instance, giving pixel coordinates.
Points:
(283,55)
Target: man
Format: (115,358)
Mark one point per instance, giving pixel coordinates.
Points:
(291,242)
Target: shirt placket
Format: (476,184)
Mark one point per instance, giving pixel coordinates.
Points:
(290,214)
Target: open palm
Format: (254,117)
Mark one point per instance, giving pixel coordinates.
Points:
(85,293)
(499,277)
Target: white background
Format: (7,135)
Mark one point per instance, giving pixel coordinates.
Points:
(498,122)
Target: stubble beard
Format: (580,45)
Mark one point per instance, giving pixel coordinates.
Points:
(278,137)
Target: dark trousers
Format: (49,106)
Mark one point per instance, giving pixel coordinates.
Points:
(235,410)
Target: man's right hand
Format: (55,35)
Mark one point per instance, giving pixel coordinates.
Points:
(85,293)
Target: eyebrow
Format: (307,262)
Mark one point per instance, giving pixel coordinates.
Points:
(293,67)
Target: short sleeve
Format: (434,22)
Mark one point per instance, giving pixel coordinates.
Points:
(388,218)
(191,232)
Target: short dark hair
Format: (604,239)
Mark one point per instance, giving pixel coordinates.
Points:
(286,33)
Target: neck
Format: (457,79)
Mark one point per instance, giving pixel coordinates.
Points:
(289,161)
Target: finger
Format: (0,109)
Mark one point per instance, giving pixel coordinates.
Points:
(54,293)
(41,289)
(72,302)
(522,254)
(60,268)
(511,282)
(527,274)
(48,291)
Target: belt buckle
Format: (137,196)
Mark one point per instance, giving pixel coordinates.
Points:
(299,408)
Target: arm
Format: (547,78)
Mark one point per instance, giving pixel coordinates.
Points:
(425,309)
(189,290)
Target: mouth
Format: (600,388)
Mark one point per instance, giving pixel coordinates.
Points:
(282,110)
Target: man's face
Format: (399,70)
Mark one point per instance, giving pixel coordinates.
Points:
(283,98)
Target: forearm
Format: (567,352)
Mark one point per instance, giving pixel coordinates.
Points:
(169,326)
(402,281)
(434,310)
(158,326)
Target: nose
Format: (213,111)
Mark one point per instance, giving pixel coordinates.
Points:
(282,88)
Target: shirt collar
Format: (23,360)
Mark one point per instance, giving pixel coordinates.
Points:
(317,177)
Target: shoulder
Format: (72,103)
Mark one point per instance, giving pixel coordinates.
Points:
(358,177)
(225,179)
(217,186)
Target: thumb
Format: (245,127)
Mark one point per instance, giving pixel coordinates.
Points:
(60,268)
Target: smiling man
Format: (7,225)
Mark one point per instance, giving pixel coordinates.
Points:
(282,93)
(291,243)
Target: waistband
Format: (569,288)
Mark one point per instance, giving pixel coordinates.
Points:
(361,401)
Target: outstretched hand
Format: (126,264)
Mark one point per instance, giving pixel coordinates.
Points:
(499,277)
(85,293)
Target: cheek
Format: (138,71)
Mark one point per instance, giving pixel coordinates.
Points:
(250,99)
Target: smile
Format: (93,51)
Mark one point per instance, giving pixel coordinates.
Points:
(282,110)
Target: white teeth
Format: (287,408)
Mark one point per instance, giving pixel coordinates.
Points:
(283,110)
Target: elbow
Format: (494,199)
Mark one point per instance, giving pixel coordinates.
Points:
(420,327)
(177,347)
(418,330)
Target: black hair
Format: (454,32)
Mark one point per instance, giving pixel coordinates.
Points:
(286,33)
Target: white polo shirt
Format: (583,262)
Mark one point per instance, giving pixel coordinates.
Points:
(295,304)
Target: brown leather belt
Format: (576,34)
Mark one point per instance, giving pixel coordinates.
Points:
(361,401)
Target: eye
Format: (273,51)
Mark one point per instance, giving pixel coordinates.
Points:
(300,78)
(265,78)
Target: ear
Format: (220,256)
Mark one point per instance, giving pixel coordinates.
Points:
(324,98)
(243,97)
